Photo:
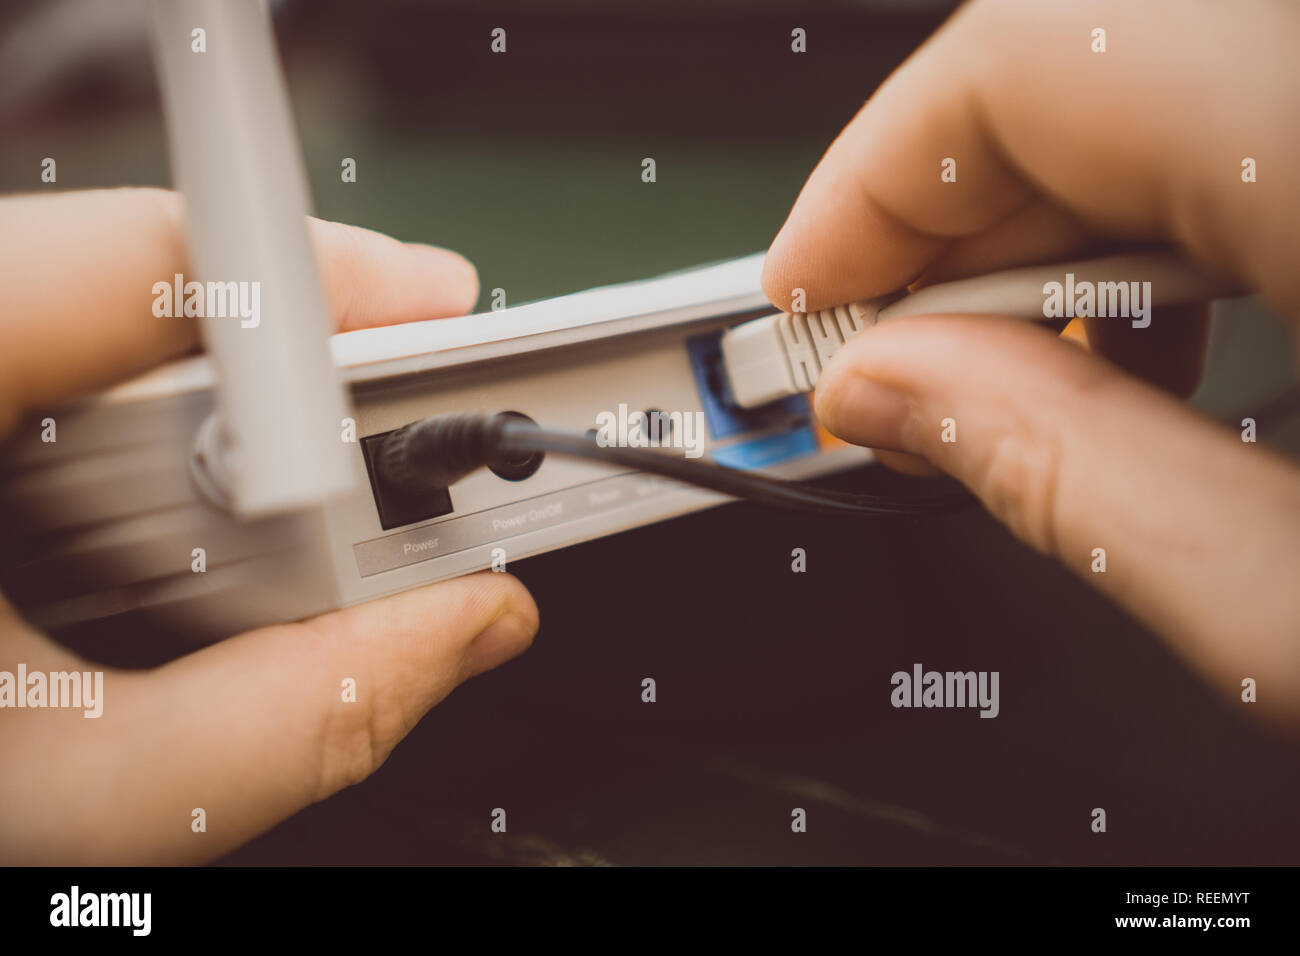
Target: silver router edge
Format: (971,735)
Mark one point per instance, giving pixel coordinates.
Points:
(109,516)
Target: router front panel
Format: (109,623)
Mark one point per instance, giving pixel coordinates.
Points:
(108,529)
(494,520)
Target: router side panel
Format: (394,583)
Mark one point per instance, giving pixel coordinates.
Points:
(105,523)
(566,501)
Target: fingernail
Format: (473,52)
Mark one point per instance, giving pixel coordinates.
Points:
(863,411)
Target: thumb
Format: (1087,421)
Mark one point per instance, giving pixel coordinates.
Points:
(1197,527)
(259,726)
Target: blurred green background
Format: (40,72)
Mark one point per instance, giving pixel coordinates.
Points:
(529,162)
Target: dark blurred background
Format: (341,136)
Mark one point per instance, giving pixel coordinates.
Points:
(773,687)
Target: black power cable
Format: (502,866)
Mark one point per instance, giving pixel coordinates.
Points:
(435,452)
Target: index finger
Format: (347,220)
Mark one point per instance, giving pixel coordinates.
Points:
(1140,141)
(77,271)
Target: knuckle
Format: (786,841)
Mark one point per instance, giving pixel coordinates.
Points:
(357,738)
(354,737)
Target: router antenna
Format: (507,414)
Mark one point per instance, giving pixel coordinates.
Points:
(236,158)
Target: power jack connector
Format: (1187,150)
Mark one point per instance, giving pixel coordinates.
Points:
(521,465)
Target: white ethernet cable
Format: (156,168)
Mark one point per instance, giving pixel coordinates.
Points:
(783,354)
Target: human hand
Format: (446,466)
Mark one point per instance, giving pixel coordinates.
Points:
(251,729)
(1059,151)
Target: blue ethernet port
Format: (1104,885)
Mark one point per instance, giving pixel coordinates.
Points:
(724,417)
(768,450)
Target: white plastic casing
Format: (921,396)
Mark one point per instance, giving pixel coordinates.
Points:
(783,354)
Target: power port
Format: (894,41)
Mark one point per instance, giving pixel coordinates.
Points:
(397,506)
(521,466)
